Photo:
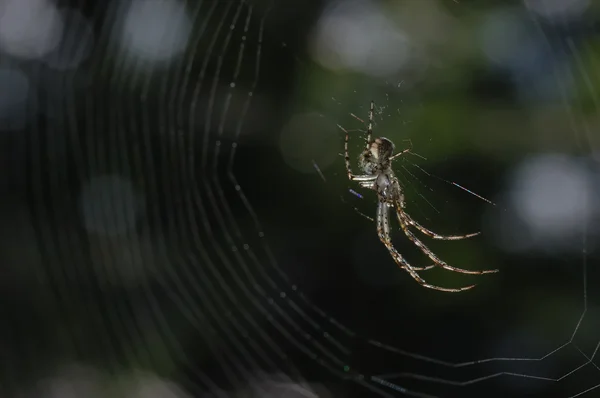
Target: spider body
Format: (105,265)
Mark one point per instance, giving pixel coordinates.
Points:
(376,163)
(377,155)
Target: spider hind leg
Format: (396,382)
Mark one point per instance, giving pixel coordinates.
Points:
(432,255)
(409,220)
(383,231)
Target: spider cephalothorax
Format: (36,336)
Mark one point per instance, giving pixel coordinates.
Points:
(376,162)
(376,156)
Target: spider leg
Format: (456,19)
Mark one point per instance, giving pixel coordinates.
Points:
(421,268)
(432,255)
(362,178)
(409,220)
(400,154)
(353,177)
(407,150)
(370,126)
(371,185)
(383,231)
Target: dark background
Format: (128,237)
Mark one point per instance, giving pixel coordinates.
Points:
(166,234)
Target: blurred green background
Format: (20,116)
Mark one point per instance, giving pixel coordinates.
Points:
(177,219)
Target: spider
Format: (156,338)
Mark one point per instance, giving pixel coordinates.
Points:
(376,163)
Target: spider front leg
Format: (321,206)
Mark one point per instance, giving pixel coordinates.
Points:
(407,150)
(432,255)
(370,125)
(383,230)
(362,179)
(399,154)
(353,177)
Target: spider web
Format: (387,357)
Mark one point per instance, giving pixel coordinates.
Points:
(162,244)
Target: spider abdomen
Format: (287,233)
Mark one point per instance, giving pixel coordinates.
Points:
(387,187)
